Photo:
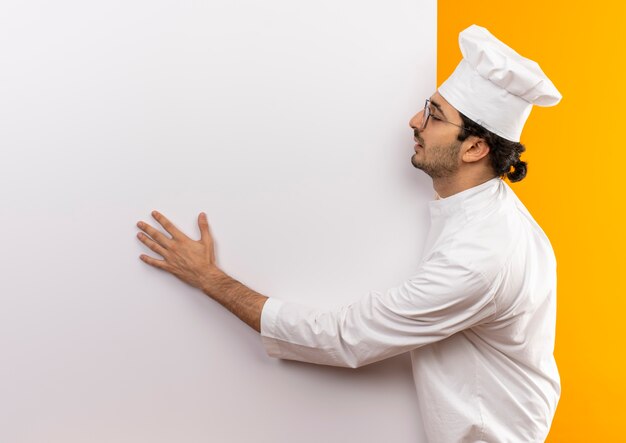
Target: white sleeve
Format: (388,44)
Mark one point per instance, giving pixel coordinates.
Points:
(443,298)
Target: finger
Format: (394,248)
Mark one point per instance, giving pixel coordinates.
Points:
(154,262)
(157,235)
(168,225)
(151,244)
(203,223)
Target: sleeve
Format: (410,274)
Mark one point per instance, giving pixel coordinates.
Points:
(442,298)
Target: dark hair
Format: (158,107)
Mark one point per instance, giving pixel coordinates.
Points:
(504,154)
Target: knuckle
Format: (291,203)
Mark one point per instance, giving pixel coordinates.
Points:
(160,238)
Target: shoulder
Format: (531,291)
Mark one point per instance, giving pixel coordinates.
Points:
(488,239)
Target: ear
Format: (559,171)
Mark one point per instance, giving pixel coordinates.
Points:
(475,149)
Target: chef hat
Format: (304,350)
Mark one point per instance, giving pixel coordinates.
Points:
(494,86)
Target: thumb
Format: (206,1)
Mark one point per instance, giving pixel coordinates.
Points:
(203,223)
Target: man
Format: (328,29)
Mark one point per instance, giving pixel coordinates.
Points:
(478,315)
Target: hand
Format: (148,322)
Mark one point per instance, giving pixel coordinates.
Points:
(189,260)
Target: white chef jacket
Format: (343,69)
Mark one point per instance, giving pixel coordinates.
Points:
(478,317)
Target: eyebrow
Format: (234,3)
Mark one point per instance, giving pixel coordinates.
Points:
(438,106)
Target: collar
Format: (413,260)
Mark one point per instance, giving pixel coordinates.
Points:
(469,201)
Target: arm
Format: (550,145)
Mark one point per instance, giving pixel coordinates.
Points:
(235,296)
(441,299)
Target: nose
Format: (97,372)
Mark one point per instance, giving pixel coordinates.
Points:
(416,121)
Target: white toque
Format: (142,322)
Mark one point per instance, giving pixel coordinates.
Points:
(496,87)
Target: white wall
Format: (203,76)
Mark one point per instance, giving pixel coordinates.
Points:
(287,122)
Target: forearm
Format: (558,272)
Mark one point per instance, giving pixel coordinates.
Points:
(236,297)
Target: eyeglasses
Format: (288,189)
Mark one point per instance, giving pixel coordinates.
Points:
(428,114)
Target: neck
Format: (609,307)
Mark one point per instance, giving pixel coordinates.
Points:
(447,186)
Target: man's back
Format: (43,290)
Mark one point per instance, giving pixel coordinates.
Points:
(497,380)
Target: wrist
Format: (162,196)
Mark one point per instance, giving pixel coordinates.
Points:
(235,296)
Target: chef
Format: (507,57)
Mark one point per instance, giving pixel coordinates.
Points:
(478,315)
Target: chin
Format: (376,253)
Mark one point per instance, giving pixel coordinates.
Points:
(416,164)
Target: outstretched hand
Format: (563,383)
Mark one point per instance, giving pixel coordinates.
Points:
(189,260)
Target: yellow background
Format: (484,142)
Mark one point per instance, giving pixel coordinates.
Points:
(574,188)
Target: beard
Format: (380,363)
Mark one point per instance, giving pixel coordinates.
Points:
(442,161)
